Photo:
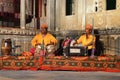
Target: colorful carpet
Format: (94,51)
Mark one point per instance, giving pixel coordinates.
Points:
(101,63)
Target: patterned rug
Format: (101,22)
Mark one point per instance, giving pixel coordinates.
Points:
(101,63)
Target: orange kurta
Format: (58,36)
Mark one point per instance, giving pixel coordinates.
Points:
(48,39)
(84,41)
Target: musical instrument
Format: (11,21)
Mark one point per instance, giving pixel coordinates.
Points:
(50,49)
(6,48)
(77,51)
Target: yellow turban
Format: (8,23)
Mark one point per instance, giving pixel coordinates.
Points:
(44,25)
(88,26)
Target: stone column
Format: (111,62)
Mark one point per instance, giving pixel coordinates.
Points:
(40,8)
(58,14)
(22,14)
(34,18)
(51,14)
(39,12)
(84,14)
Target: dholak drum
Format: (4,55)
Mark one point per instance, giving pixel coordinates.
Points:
(6,47)
(50,49)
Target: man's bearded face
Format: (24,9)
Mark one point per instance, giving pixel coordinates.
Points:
(43,30)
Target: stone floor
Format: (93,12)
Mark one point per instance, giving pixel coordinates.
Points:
(57,75)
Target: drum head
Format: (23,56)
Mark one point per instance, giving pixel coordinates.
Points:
(50,48)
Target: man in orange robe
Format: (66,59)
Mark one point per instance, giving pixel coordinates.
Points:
(87,40)
(44,38)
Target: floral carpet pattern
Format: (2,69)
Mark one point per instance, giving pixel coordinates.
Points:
(101,63)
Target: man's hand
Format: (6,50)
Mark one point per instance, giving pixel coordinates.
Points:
(85,46)
(37,44)
(75,43)
(50,44)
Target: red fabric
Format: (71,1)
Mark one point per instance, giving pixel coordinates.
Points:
(42,52)
(32,50)
(101,60)
(66,42)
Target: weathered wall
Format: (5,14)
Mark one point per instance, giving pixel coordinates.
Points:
(21,39)
(102,18)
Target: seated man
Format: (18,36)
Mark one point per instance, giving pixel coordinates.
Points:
(87,40)
(42,40)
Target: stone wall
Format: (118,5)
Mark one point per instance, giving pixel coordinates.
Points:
(104,20)
(108,41)
(21,39)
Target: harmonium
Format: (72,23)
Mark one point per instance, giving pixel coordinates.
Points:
(77,51)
